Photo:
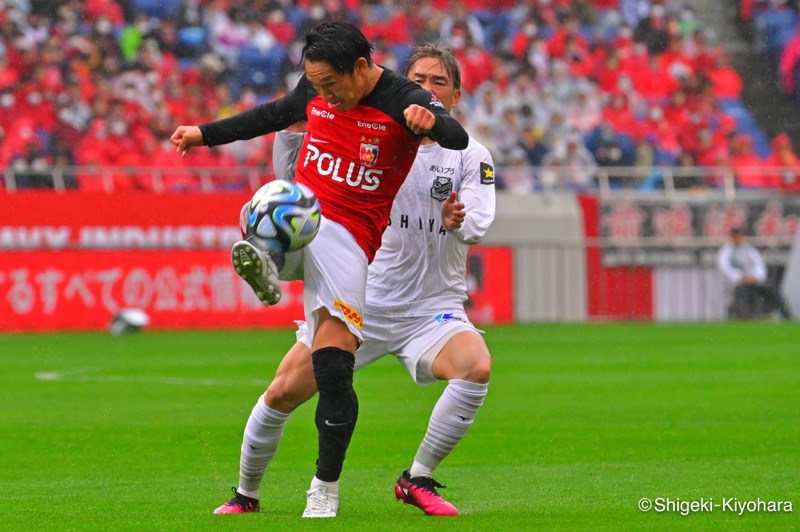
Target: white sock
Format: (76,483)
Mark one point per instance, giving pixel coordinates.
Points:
(451,418)
(262,435)
(333,487)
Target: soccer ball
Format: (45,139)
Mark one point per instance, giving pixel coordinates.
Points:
(281,215)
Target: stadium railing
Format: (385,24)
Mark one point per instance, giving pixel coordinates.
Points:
(669,181)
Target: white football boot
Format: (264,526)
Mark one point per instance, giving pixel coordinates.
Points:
(320,503)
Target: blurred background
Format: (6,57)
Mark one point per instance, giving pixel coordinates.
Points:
(629,138)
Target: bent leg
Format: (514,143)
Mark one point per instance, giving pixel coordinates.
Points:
(293,385)
(465,363)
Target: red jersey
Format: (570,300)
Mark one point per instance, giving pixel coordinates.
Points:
(354,161)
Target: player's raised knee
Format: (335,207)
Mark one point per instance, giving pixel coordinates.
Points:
(481,370)
(281,397)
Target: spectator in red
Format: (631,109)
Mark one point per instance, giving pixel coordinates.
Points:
(619,115)
(371,25)
(712,154)
(653,82)
(7,114)
(665,132)
(725,81)
(278,26)
(523,37)
(36,102)
(787,68)
(784,157)
(568,31)
(746,163)
(677,110)
(9,74)
(675,61)
(623,43)
(580,62)
(609,71)
(605,4)
(476,63)
(95,10)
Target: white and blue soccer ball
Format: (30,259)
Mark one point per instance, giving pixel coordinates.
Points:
(281,214)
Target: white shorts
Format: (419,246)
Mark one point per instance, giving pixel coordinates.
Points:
(334,274)
(415,341)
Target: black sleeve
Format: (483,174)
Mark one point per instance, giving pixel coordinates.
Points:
(447,132)
(262,119)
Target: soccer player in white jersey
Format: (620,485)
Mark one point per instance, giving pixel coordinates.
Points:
(415,306)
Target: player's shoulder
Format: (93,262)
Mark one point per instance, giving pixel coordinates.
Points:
(477,150)
(399,90)
(390,78)
(474,153)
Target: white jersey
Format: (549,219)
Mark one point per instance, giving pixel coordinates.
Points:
(284,154)
(420,266)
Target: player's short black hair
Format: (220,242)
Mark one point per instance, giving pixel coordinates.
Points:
(338,44)
(443,54)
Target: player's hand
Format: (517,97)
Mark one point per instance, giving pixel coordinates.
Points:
(418,119)
(453,212)
(185,138)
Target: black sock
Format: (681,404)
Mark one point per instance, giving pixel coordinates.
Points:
(337,408)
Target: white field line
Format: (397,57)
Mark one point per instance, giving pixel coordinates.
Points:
(80,375)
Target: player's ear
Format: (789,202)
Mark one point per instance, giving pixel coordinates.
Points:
(362,65)
(456,97)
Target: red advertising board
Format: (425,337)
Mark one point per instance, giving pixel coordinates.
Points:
(71,261)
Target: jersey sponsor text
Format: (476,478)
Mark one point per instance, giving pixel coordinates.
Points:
(322,113)
(329,165)
(372,125)
(350,313)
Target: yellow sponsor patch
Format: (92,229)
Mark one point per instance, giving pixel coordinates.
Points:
(350,313)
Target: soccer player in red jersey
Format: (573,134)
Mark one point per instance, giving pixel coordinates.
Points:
(415,292)
(365,124)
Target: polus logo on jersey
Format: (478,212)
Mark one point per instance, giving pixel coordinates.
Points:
(368,153)
(350,313)
(442,187)
(350,172)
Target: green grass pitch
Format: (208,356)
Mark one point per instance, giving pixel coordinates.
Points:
(142,432)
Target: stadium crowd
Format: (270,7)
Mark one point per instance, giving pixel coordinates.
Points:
(554,88)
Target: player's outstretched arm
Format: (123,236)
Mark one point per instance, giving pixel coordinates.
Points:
(185,138)
(418,119)
(439,126)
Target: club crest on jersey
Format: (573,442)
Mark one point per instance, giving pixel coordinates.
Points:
(368,154)
(487,174)
(442,187)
